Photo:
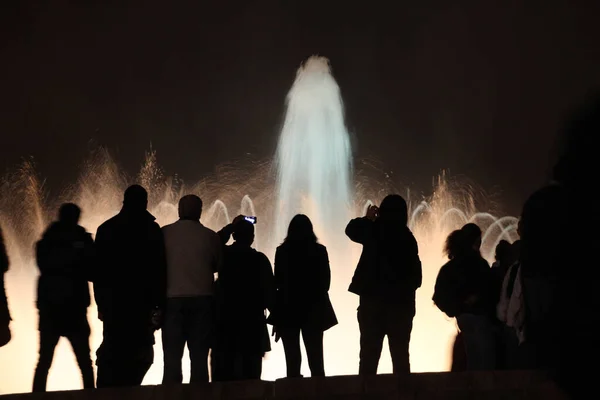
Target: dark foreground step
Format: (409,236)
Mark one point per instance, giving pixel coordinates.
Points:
(457,385)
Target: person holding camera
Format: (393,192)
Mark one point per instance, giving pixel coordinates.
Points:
(245,289)
(386,279)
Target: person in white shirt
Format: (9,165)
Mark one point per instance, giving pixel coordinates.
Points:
(194,255)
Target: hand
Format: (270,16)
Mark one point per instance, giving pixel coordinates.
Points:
(276,334)
(238,219)
(372,212)
(157,319)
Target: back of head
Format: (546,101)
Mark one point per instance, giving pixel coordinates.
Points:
(190,207)
(393,208)
(544,216)
(472,236)
(301,230)
(243,232)
(69,213)
(576,165)
(455,244)
(135,198)
(503,250)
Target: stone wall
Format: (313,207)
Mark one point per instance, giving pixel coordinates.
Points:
(459,385)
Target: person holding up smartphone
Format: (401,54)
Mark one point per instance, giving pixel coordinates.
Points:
(386,279)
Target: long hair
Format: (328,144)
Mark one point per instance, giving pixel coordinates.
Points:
(455,244)
(300,230)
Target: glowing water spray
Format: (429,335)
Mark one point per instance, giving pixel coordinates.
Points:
(313,156)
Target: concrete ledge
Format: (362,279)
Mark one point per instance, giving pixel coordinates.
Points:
(458,385)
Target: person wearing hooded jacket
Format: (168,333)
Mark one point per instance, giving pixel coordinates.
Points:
(65,257)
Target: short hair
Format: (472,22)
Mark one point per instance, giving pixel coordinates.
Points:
(190,207)
(69,213)
(394,207)
(243,230)
(135,197)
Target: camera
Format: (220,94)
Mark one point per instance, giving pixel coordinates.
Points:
(252,220)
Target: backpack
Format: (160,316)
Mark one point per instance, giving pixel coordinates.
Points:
(445,293)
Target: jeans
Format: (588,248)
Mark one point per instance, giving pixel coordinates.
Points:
(187,320)
(376,319)
(480,341)
(78,336)
(313,342)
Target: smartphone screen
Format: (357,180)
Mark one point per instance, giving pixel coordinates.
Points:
(252,220)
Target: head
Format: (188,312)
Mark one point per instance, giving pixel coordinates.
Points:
(135,198)
(504,252)
(190,207)
(576,163)
(472,236)
(69,213)
(244,233)
(454,245)
(394,208)
(544,221)
(301,230)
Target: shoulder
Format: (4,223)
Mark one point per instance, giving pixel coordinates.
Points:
(109,223)
(262,257)
(169,226)
(321,249)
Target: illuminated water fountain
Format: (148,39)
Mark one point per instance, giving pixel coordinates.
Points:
(314,176)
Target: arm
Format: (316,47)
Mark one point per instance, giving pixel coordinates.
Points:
(101,292)
(159,289)
(359,230)
(267,282)
(324,270)
(417,270)
(227,231)
(225,234)
(218,253)
(90,260)
(279,270)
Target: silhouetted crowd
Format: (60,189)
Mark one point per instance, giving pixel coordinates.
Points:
(535,308)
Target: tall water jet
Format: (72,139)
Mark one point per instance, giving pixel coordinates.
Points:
(313,157)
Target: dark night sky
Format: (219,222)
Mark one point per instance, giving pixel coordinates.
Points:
(479,87)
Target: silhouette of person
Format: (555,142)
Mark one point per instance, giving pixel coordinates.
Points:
(544,230)
(464,289)
(505,256)
(302,304)
(245,289)
(5,319)
(386,279)
(576,303)
(130,290)
(65,257)
(194,255)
